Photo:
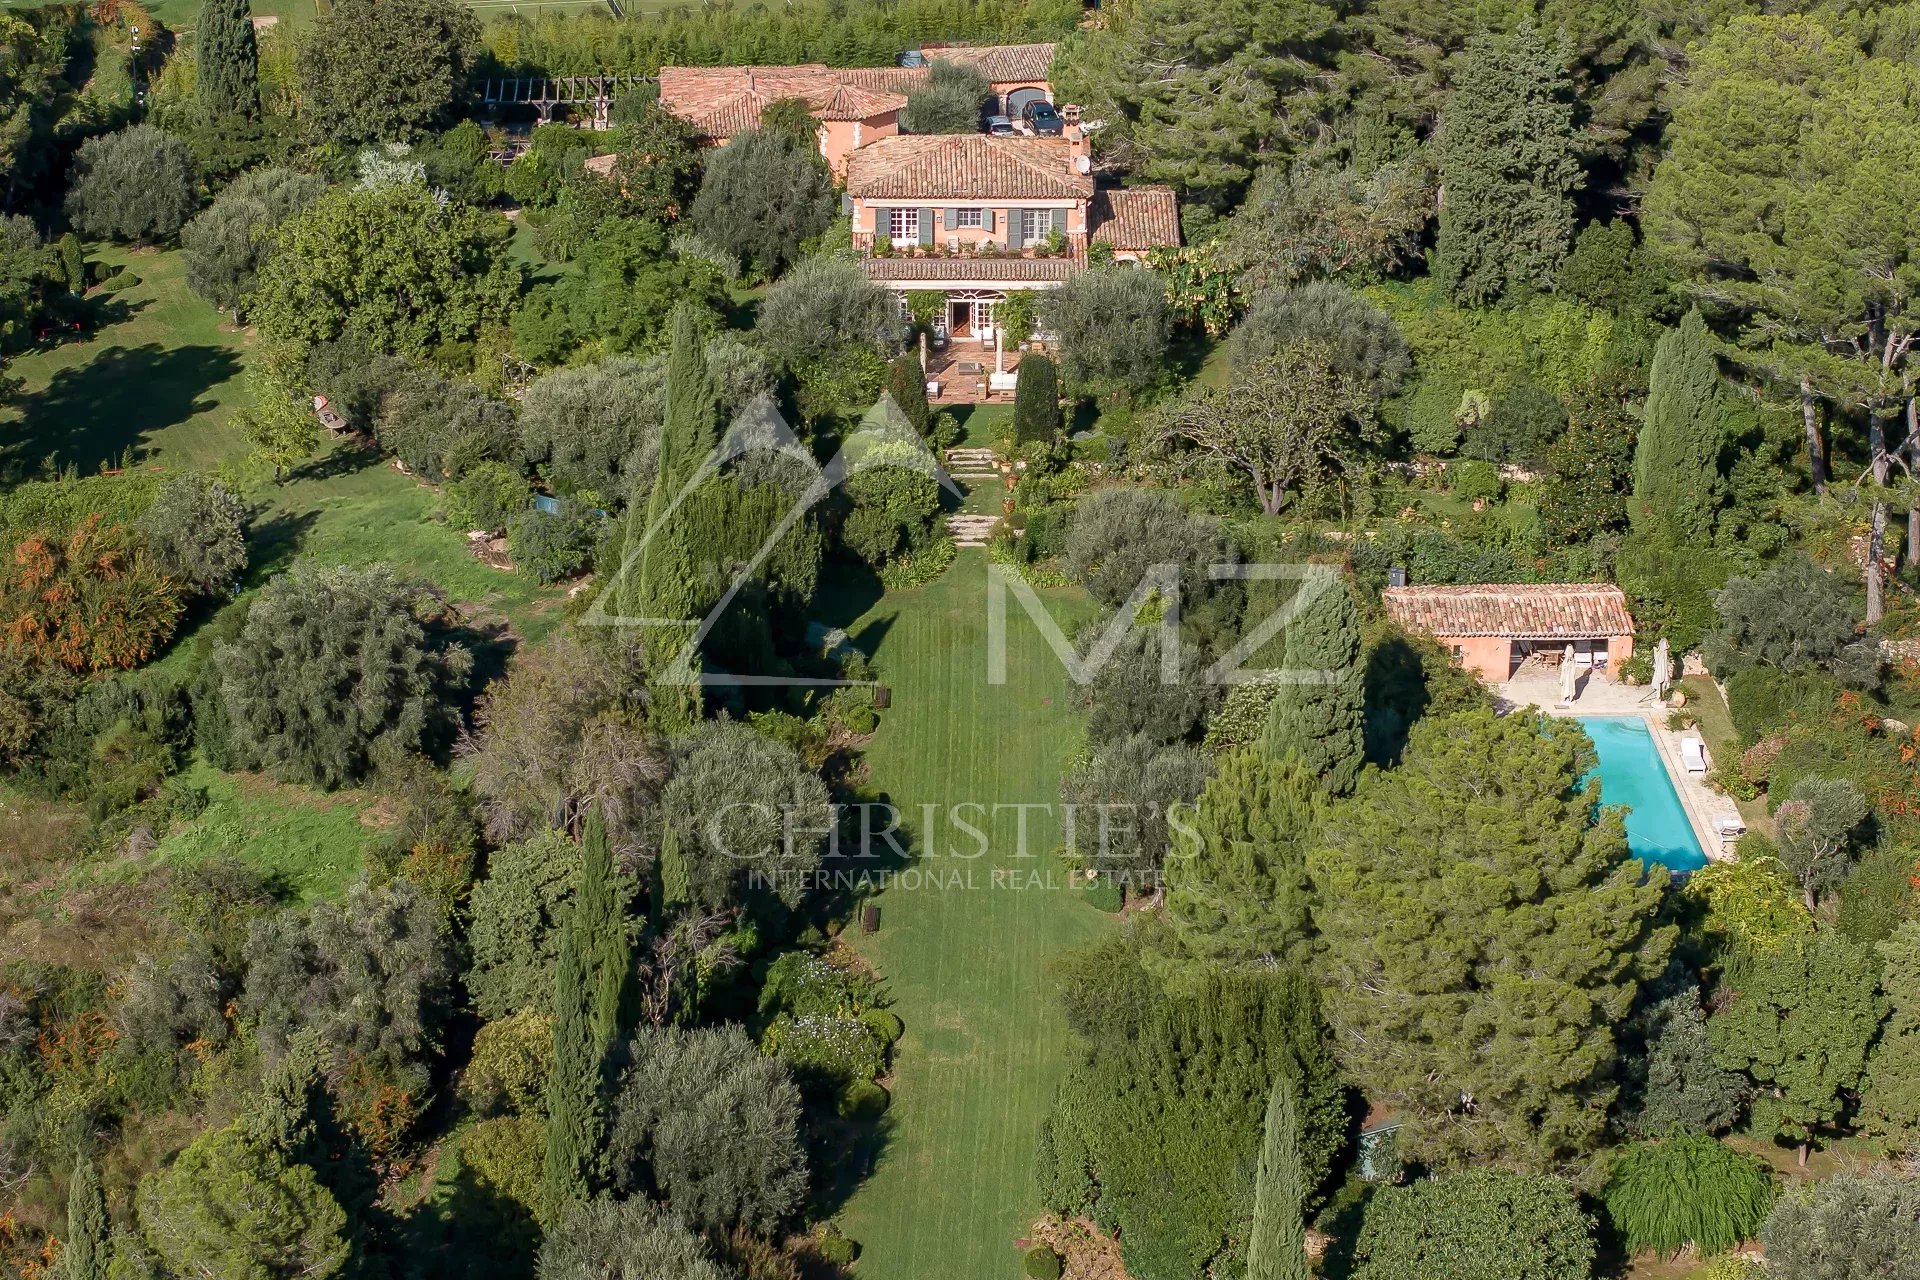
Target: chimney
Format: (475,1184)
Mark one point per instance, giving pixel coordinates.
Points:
(1079,151)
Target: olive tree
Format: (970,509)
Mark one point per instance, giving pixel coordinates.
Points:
(137,184)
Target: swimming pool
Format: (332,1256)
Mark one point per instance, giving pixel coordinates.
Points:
(1631,774)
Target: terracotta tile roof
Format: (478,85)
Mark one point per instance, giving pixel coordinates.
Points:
(852,102)
(1515,610)
(722,102)
(1046,270)
(1136,218)
(966,166)
(1000,63)
(890,79)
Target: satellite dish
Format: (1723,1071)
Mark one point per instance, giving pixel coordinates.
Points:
(1082,164)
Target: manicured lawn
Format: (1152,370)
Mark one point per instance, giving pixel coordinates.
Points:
(159,376)
(967,961)
(1723,742)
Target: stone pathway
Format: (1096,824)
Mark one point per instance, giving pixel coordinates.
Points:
(972,464)
(970,530)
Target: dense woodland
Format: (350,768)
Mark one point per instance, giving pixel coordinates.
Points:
(1496,292)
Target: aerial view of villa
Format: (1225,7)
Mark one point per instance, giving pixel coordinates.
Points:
(959,640)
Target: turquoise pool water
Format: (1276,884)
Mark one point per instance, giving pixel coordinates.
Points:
(1631,774)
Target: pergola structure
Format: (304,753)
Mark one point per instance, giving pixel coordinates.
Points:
(545,94)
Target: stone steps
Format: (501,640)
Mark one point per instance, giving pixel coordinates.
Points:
(970,530)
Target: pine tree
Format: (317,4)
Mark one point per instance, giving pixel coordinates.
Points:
(1238,895)
(1482,932)
(1036,400)
(85,1254)
(227,60)
(1508,168)
(659,579)
(1317,713)
(1676,462)
(1277,1245)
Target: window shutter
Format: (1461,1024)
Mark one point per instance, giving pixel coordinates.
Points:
(952,218)
(1060,221)
(926,226)
(879,222)
(1013,229)
(986,219)
(846,203)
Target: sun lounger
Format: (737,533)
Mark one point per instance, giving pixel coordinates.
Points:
(1693,755)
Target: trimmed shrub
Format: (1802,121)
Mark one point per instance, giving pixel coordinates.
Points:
(1487,1224)
(1475,480)
(862,1100)
(551,545)
(1105,894)
(836,1248)
(1687,1190)
(884,1023)
(1043,1263)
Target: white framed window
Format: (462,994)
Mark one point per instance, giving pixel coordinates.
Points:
(903,226)
(1036,224)
(967,218)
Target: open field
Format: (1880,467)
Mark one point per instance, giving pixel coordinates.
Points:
(162,377)
(159,375)
(964,951)
(310,845)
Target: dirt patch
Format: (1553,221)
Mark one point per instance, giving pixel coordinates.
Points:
(1086,1252)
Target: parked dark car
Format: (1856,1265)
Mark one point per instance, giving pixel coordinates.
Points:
(1000,126)
(1043,119)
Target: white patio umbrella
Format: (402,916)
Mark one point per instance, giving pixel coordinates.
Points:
(1662,668)
(1569,676)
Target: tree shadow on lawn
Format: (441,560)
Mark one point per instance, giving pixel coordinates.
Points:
(97,412)
(274,543)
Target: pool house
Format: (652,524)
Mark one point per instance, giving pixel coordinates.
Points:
(1493,628)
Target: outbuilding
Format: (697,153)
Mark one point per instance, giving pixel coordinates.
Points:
(1493,627)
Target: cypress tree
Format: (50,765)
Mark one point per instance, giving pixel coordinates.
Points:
(907,384)
(73,264)
(590,986)
(1277,1245)
(676,886)
(85,1254)
(575,1123)
(1036,400)
(1676,462)
(1316,715)
(601,911)
(660,579)
(1508,164)
(228,62)
(1239,895)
